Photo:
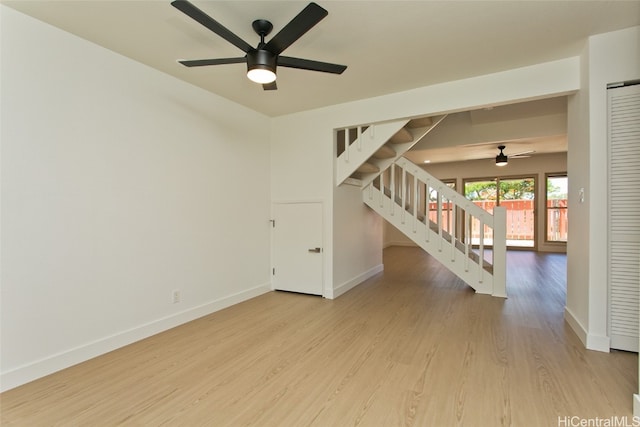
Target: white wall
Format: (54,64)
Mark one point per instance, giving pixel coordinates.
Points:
(359,231)
(536,166)
(577,304)
(119,185)
(608,58)
(301,171)
(309,135)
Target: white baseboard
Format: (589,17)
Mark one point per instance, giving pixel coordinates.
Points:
(590,341)
(350,284)
(57,362)
(575,324)
(599,343)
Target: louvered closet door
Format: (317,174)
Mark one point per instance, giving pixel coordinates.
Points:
(624,216)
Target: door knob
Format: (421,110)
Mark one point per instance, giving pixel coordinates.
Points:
(315,250)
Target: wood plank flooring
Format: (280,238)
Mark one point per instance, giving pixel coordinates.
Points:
(413,346)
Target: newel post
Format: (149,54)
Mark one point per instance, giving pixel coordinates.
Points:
(499,252)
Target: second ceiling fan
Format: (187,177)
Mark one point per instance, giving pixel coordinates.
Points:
(263,60)
(502,159)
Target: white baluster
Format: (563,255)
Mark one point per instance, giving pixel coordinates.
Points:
(404,194)
(393,187)
(427,211)
(453,230)
(415,201)
(439,217)
(359,138)
(481,251)
(468,240)
(346,145)
(381,190)
(499,252)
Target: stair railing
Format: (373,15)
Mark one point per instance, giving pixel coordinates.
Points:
(448,216)
(356,144)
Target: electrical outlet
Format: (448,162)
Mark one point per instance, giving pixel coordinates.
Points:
(176,296)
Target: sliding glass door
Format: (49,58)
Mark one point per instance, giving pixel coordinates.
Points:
(517,195)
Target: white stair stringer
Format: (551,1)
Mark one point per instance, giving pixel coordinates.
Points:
(366,144)
(417,133)
(457,254)
(361,156)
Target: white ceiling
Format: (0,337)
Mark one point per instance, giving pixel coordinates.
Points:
(533,127)
(389,46)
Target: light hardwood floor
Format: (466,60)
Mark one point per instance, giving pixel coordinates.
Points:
(413,346)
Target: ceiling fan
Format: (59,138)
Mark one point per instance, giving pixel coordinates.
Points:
(502,159)
(263,60)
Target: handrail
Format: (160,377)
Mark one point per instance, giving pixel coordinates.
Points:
(445,190)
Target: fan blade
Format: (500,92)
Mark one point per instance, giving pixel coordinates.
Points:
(270,86)
(307,64)
(303,22)
(193,12)
(219,61)
(523,153)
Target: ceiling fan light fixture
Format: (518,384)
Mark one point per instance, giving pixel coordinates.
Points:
(501,158)
(261,75)
(263,60)
(261,66)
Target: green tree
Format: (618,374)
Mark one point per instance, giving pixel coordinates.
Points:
(512,189)
(517,189)
(554,190)
(481,190)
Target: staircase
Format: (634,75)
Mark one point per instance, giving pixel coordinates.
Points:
(364,151)
(443,222)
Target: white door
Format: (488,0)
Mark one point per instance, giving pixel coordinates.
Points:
(297,247)
(624,221)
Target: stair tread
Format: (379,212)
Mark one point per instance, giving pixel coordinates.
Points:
(420,122)
(384,152)
(353,180)
(368,168)
(401,137)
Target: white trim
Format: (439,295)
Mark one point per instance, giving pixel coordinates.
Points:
(350,284)
(590,341)
(575,324)
(598,343)
(636,405)
(62,360)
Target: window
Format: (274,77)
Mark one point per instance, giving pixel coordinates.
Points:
(556,223)
(517,196)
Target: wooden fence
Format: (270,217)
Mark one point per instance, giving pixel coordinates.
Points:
(520,219)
